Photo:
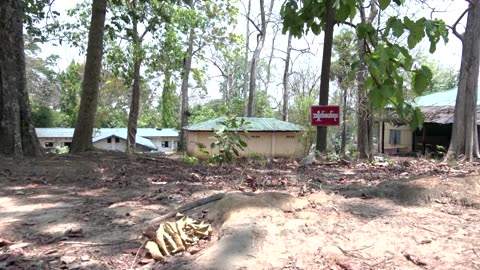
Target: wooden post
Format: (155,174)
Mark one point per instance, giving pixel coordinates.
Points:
(383,137)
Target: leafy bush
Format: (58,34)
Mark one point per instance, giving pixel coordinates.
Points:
(60,150)
(190,160)
(332,156)
(227,140)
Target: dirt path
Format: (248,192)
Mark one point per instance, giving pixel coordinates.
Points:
(88,212)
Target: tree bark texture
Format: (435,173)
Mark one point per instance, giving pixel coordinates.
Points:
(134,107)
(464,141)
(343,141)
(82,137)
(321,142)
(135,99)
(17,134)
(187,67)
(364,110)
(286,73)
(255,59)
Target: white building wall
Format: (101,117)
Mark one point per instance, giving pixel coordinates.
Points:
(113,146)
(159,142)
(57,142)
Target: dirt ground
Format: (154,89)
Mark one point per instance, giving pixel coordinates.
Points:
(88,212)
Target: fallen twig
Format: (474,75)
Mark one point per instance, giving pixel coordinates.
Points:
(357,249)
(136,254)
(414,259)
(426,229)
(335,209)
(350,253)
(476,254)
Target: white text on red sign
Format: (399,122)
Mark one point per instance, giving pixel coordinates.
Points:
(319,115)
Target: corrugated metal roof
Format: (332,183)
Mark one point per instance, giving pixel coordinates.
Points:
(68,132)
(122,134)
(144,132)
(54,132)
(442,114)
(445,98)
(154,132)
(255,124)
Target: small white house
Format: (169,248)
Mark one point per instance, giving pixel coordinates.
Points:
(165,139)
(116,140)
(147,139)
(55,137)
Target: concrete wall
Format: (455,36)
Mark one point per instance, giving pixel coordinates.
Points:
(270,144)
(406,139)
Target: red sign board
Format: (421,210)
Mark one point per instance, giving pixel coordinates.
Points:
(321,115)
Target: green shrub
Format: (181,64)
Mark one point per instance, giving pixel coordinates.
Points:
(227,140)
(190,160)
(60,150)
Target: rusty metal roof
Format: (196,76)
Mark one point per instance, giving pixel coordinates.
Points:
(442,114)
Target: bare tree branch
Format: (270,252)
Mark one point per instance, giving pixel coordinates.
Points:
(254,24)
(454,26)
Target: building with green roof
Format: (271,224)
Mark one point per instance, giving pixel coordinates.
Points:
(438,109)
(266,137)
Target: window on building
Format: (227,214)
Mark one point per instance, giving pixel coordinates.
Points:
(109,140)
(395,136)
(117,140)
(290,137)
(255,136)
(165,144)
(49,144)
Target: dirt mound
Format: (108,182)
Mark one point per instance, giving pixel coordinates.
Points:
(248,228)
(236,206)
(278,231)
(464,191)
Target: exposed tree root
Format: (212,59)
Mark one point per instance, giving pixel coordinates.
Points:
(193,205)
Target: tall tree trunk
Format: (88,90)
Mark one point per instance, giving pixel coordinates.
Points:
(270,58)
(343,141)
(135,99)
(187,67)
(464,141)
(134,107)
(17,134)
(286,72)
(230,79)
(82,136)
(364,116)
(245,67)
(321,143)
(255,59)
